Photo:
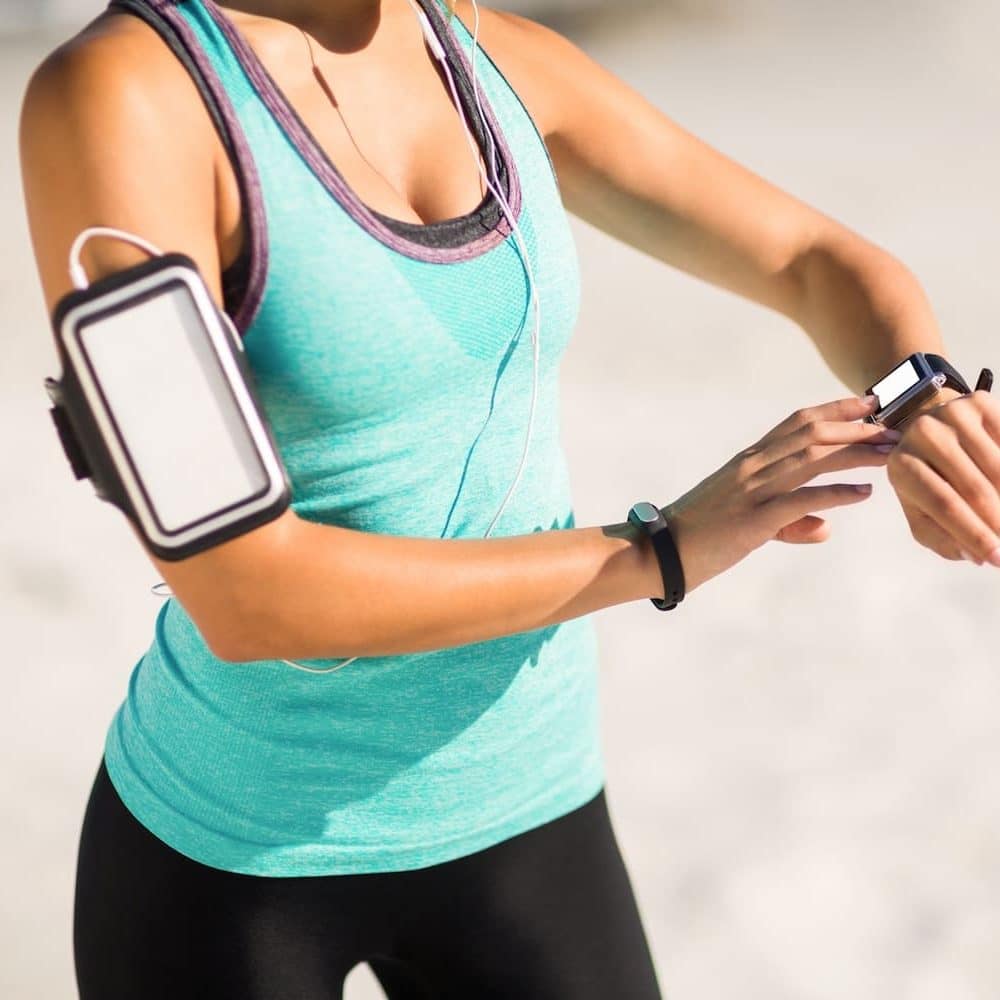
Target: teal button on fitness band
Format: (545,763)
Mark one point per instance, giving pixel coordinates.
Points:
(650,519)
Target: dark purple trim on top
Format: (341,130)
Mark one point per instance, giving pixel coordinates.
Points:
(330,177)
(254,214)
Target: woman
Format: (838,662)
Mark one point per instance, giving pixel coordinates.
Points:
(433,802)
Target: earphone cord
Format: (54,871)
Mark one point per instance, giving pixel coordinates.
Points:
(77,272)
(522,250)
(79,278)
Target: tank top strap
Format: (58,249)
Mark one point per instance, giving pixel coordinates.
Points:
(216,74)
(195,24)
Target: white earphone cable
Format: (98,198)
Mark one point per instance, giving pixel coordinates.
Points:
(77,272)
(522,249)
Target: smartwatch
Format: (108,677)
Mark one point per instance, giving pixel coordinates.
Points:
(909,385)
(649,518)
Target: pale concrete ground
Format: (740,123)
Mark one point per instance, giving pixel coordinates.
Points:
(802,758)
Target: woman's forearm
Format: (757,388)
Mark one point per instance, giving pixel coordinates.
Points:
(863,308)
(323,591)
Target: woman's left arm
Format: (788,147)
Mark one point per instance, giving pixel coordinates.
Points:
(627,168)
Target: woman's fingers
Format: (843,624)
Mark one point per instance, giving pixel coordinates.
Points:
(806,530)
(785,508)
(831,432)
(928,491)
(988,407)
(926,531)
(809,443)
(813,460)
(851,408)
(974,432)
(946,473)
(969,482)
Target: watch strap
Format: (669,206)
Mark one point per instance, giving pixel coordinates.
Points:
(670,568)
(952,378)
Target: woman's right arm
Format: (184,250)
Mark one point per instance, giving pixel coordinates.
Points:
(302,590)
(113,133)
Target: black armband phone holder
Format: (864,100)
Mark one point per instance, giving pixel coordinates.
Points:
(157,407)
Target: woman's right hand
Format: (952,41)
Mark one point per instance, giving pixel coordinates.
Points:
(759,494)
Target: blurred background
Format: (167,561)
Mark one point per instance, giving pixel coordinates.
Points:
(802,759)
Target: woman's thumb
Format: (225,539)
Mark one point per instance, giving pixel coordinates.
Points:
(805,531)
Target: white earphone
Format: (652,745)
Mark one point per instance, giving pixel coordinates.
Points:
(432,40)
(79,277)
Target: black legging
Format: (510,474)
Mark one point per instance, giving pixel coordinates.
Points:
(546,914)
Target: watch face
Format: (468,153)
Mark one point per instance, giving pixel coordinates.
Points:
(901,379)
(646,512)
(903,407)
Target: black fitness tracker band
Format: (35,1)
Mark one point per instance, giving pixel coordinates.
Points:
(650,519)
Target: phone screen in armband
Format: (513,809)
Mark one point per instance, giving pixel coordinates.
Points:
(170,399)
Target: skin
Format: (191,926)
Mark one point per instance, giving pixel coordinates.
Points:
(95,123)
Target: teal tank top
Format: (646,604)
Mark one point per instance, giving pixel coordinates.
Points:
(394,364)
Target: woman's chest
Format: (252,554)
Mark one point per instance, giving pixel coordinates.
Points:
(350,332)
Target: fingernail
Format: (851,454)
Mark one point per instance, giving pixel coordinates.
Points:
(891,433)
(867,488)
(994,557)
(885,448)
(869,399)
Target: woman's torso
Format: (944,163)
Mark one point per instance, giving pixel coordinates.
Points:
(390,365)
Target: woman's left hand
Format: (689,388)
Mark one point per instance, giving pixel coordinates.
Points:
(946,473)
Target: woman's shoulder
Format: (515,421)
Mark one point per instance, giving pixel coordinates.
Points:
(114,68)
(113,132)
